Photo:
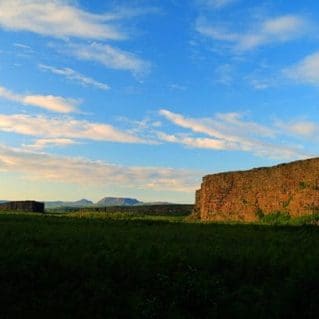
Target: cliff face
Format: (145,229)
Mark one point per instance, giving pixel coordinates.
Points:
(244,195)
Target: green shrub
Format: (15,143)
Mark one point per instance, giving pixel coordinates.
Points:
(312,219)
(276,218)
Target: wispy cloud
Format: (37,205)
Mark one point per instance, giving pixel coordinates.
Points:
(177,87)
(224,74)
(22,46)
(66,20)
(45,142)
(306,71)
(41,166)
(65,128)
(75,76)
(229,132)
(49,102)
(57,18)
(273,30)
(108,56)
(217,4)
(300,128)
(260,84)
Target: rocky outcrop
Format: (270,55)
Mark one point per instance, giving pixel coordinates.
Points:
(291,188)
(25,206)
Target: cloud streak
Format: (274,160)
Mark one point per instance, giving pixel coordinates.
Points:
(305,71)
(108,56)
(302,128)
(61,19)
(58,19)
(45,142)
(41,166)
(74,76)
(49,102)
(273,30)
(64,128)
(228,132)
(217,4)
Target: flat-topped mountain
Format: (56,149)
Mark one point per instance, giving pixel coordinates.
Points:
(104,202)
(118,201)
(291,188)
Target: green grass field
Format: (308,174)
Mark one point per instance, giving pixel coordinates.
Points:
(119,266)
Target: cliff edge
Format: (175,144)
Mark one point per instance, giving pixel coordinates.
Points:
(291,188)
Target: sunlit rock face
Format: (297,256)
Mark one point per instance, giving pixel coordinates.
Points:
(291,188)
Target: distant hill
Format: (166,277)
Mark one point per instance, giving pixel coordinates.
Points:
(79,203)
(104,202)
(117,201)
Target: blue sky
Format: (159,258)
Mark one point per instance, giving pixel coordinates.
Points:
(143,98)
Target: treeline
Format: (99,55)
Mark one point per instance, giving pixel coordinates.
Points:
(153,210)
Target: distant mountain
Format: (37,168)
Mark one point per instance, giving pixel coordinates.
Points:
(118,201)
(104,202)
(79,203)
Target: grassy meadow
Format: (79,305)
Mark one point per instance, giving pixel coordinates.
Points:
(93,265)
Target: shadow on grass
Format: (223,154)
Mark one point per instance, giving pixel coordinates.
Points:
(71,266)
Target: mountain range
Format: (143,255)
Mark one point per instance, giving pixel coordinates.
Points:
(75,204)
(104,202)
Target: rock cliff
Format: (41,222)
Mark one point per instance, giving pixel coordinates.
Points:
(291,188)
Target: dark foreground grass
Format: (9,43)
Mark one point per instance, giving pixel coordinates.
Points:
(64,267)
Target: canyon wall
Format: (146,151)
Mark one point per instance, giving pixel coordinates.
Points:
(291,188)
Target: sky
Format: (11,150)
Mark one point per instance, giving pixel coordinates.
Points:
(143,98)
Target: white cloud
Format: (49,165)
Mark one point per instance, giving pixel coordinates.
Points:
(57,18)
(229,132)
(224,126)
(42,166)
(63,19)
(75,76)
(177,87)
(273,30)
(258,84)
(49,102)
(22,46)
(283,26)
(306,71)
(301,128)
(66,128)
(45,142)
(108,56)
(217,4)
(196,142)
